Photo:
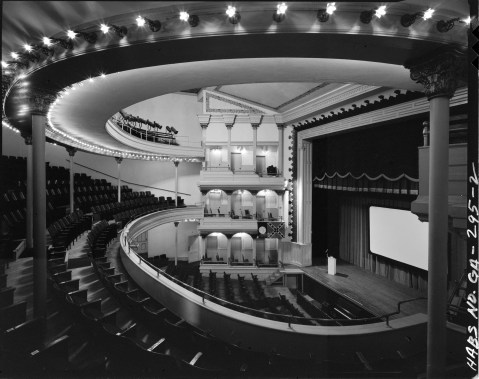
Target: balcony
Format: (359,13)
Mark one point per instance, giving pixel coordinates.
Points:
(230,181)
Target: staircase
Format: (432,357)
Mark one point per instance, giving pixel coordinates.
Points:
(276,278)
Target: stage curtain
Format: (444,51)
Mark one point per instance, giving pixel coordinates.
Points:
(354,241)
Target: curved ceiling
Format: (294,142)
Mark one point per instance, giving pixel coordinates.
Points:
(257,50)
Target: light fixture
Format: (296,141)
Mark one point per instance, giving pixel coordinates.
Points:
(233,15)
(367,16)
(323,14)
(154,25)
(5,64)
(14,55)
(66,44)
(444,26)
(280,13)
(120,31)
(193,19)
(27,47)
(89,37)
(104,28)
(409,19)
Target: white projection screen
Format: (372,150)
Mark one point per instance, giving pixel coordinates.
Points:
(398,235)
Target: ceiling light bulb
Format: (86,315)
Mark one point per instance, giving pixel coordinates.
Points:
(184,16)
(428,14)
(140,21)
(27,47)
(381,11)
(467,20)
(103,76)
(231,11)
(14,55)
(47,41)
(281,8)
(71,34)
(91,80)
(4,64)
(104,28)
(330,8)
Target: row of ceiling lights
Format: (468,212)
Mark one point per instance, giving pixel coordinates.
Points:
(32,51)
(101,149)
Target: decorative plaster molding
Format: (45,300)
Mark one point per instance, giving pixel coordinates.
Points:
(324,102)
(239,106)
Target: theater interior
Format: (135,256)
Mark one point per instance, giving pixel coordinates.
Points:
(236,189)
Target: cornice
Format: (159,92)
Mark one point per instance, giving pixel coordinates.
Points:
(390,109)
(327,101)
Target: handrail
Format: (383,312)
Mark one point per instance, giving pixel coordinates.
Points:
(127,182)
(287,318)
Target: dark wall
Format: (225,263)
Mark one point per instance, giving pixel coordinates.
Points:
(390,149)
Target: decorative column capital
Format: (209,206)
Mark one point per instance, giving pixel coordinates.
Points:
(176,163)
(71,151)
(255,119)
(40,100)
(229,120)
(439,73)
(176,223)
(118,160)
(204,120)
(28,139)
(204,126)
(281,126)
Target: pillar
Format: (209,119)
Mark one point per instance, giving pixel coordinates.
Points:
(176,242)
(202,246)
(280,148)
(229,120)
(71,153)
(39,217)
(255,194)
(254,249)
(228,127)
(439,75)
(228,248)
(203,144)
(118,163)
(29,239)
(176,182)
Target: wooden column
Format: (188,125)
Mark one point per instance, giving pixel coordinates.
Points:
(118,162)
(439,74)
(29,236)
(176,163)
(280,148)
(71,153)
(176,242)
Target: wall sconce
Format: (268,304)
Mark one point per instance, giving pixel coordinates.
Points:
(233,15)
(444,26)
(66,44)
(154,25)
(280,13)
(120,31)
(367,16)
(408,19)
(88,37)
(323,14)
(193,20)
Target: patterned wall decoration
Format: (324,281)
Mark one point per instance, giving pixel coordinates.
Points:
(244,108)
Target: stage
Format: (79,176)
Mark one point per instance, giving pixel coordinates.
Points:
(377,294)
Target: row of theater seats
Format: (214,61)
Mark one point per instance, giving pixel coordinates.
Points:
(66,230)
(152,340)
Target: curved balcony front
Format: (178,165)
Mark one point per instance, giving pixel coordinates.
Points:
(230,323)
(183,149)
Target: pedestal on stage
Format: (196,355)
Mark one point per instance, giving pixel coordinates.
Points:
(331,266)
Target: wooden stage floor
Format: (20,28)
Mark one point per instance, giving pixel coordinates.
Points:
(375,293)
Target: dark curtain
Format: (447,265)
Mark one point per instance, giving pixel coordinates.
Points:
(354,241)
